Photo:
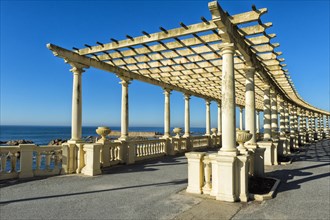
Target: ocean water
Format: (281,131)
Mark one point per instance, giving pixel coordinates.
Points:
(42,135)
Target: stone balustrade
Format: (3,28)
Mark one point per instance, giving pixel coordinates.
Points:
(148,149)
(29,160)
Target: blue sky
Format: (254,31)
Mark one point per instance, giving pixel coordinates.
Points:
(36,86)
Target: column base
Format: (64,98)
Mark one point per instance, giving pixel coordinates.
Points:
(269,155)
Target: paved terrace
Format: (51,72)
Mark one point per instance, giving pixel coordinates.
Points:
(155,190)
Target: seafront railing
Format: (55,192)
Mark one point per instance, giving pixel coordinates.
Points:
(29,160)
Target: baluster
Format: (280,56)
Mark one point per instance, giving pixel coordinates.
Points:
(207,175)
(153,148)
(13,162)
(137,151)
(38,161)
(3,163)
(117,153)
(112,153)
(47,158)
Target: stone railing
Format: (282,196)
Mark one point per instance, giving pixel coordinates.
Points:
(200,141)
(148,149)
(89,158)
(180,144)
(29,160)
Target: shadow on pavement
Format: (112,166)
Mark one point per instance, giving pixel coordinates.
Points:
(175,182)
(318,152)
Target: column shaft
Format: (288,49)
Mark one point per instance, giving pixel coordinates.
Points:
(250,108)
(219,118)
(258,122)
(267,114)
(76,120)
(208,118)
(241,117)
(124,108)
(282,119)
(274,113)
(228,100)
(167,116)
(186,115)
(286,115)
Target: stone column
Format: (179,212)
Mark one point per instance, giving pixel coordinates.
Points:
(167,114)
(124,108)
(267,111)
(274,116)
(286,115)
(282,119)
(208,118)
(228,100)
(313,125)
(76,122)
(186,115)
(241,117)
(327,126)
(219,118)
(258,122)
(250,107)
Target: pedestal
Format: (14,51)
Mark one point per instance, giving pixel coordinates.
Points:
(228,186)
(269,155)
(195,172)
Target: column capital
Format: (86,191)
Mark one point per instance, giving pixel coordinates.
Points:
(207,101)
(186,96)
(77,68)
(167,91)
(125,80)
(227,48)
(219,104)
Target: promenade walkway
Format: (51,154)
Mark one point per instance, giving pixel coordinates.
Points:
(156,191)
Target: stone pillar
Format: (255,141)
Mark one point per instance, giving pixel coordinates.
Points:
(186,115)
(313,125)
(208,118)
(327,126)
(167,114)
(258,123)
(286,117)
(219,118)
(195,172)
(26,160)
(124,108)
(274,116)
(282,147)
(267,112)
(241,117)
(92,161)
(322,126)
(292,128)
(250,108)
(282,119)
(228,100)
(76,122)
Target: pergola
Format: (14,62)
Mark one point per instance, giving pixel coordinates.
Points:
(188,59)
(229,59)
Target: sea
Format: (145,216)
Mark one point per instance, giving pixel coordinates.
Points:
(42,135)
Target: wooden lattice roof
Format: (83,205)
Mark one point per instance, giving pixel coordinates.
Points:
(188,58)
